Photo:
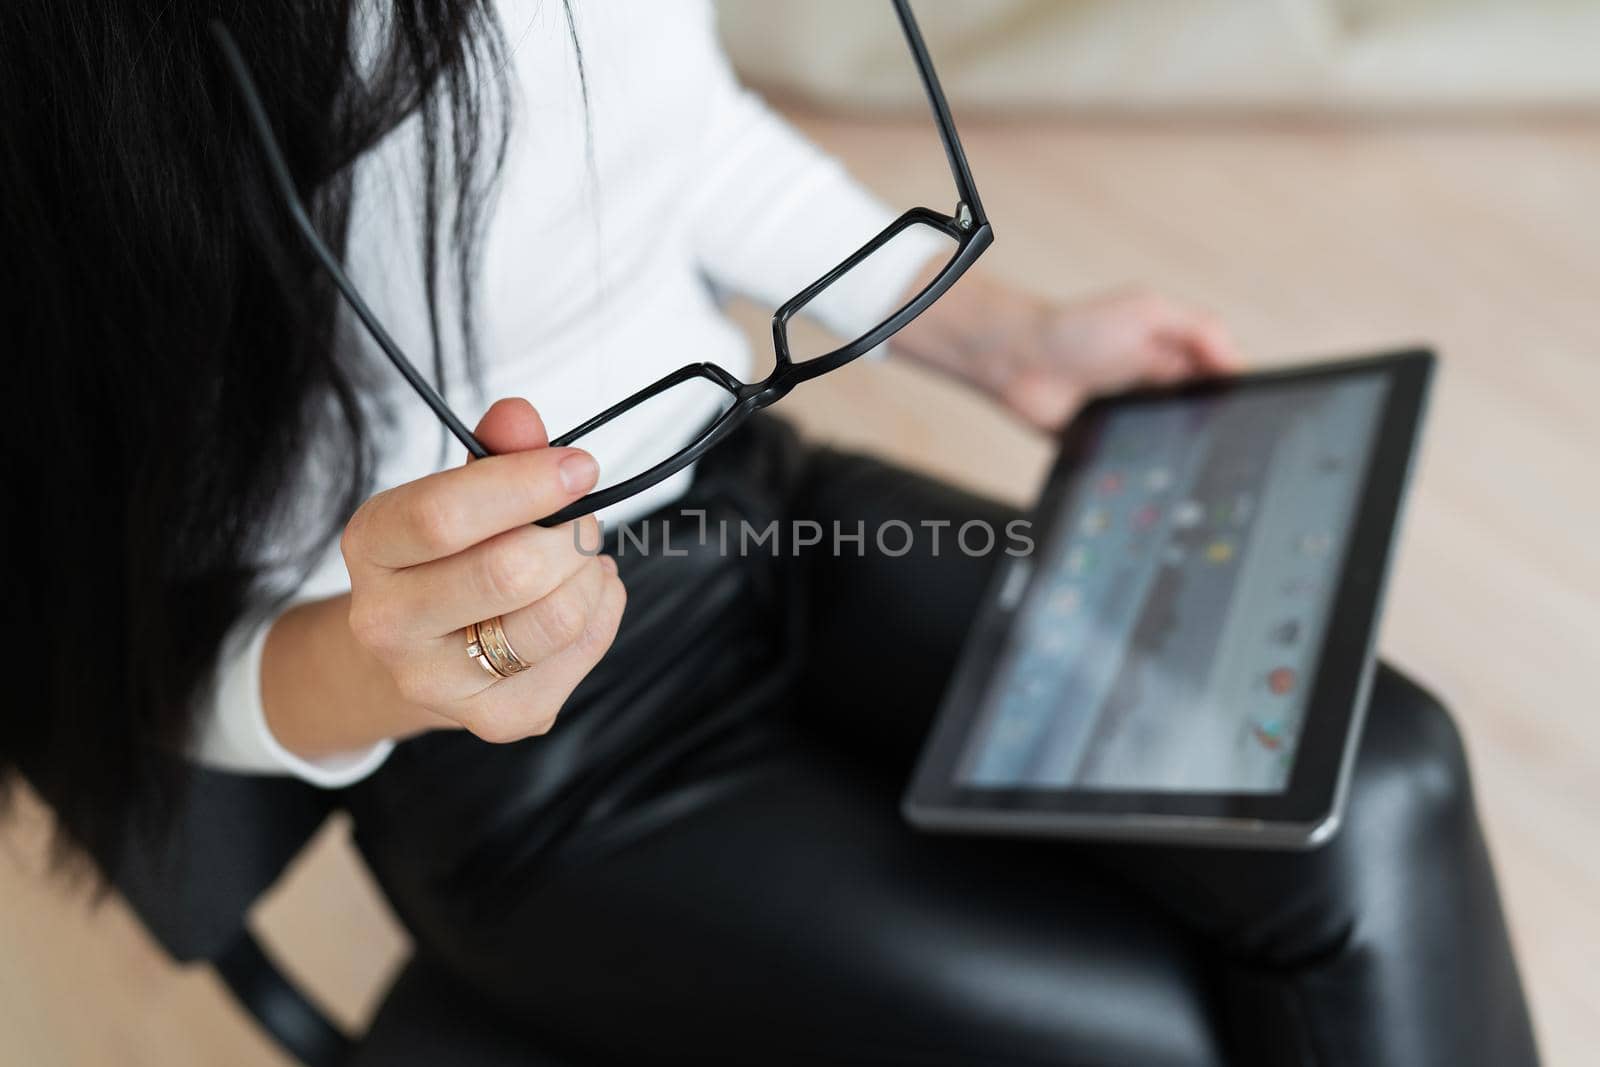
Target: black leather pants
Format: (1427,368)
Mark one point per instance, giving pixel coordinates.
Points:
(704,862)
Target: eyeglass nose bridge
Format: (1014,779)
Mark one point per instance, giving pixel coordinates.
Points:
(774,387)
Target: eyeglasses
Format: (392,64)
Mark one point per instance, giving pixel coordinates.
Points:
(965,233)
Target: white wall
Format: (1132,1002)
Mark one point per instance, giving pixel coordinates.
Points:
(1184,55)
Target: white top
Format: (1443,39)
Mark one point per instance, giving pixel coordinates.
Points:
(607,247)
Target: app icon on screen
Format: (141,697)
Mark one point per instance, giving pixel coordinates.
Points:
(1286,632)
(1095,521)
(1269,734)
(1281,680)
(1219,551)
(1158,479)
(1110,483)
(1188,514)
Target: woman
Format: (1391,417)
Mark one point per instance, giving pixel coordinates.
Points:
(674,837)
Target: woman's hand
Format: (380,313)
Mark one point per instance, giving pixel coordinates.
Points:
(431,557)
(1043,360)
(427,559)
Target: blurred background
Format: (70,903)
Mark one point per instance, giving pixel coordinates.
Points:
(1157,57)
(1333,177)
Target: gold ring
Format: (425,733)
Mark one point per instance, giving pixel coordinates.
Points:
(488,645)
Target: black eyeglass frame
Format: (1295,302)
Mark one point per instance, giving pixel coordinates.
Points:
(968,226)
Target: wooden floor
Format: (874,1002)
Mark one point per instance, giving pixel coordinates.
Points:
(1484,240)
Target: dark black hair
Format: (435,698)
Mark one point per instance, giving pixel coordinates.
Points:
(172,346)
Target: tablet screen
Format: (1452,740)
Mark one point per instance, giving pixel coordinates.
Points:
(1169,635)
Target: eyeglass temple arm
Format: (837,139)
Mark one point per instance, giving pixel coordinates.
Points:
(941,113)
(281,177)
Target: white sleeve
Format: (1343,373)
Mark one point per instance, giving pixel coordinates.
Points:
(773,213)
(232,734)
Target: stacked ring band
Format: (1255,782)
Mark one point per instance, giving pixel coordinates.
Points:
(488,646)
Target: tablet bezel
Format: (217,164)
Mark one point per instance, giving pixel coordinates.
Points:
(1307,811)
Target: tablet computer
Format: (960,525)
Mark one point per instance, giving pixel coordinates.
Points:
(1186,652)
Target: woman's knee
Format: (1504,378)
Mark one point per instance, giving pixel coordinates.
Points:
(1412,761)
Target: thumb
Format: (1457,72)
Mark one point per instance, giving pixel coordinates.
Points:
(512,425)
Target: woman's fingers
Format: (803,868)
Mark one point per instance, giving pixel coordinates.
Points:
(1206,342)
(449,512)
(527,704)
(1213,346)
(508,571)
(559,619)
(438,672)
(511,425)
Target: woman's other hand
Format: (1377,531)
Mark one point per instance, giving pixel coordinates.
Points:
(428,558)
(1044,359)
